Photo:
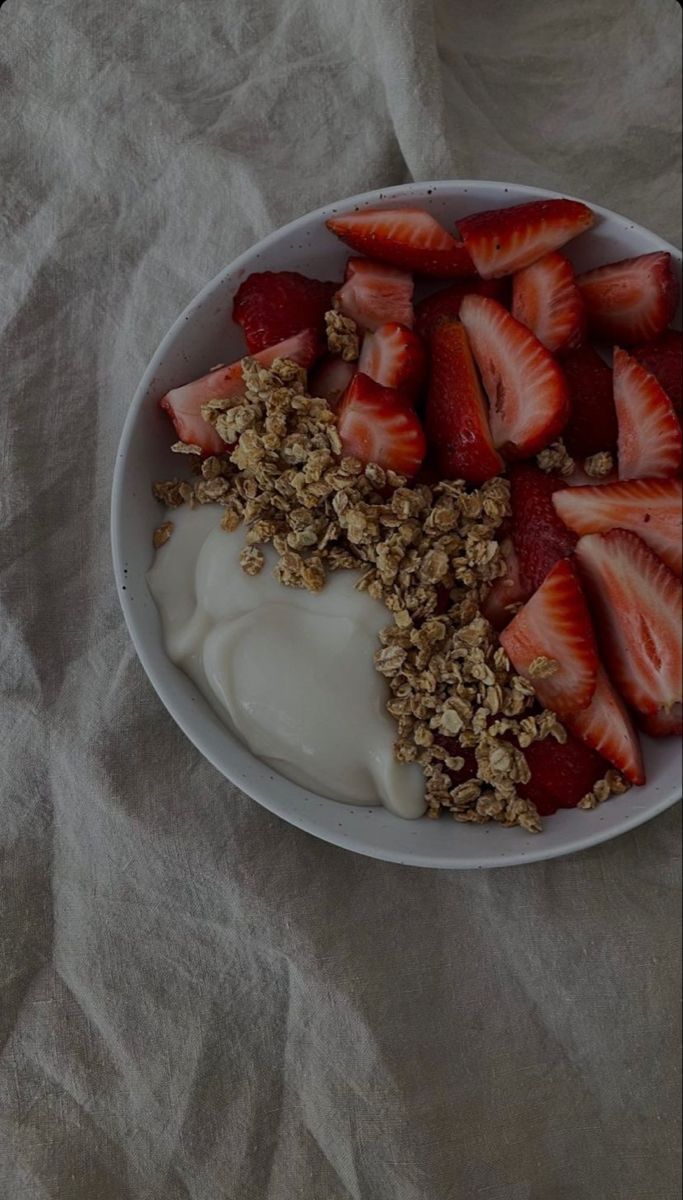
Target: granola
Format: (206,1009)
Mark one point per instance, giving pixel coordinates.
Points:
(599,465)
(342,336)
(556,458)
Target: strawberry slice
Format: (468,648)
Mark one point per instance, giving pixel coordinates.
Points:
(546,299)
(394,356)
(650,441)
(507,592)
(184,404)
(652,508)
(540,538)
(456,418)
(505,240)
(637,603)
(405,237)
(632,300)
(274,305)
(607,727)
(526,388)
(663,358)
(331,378)
(666,722)
(378,425)
(592,424)
(555,624)
(446,303)
(561,774)
(375,295)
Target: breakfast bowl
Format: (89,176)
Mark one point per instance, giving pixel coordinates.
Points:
(203,335)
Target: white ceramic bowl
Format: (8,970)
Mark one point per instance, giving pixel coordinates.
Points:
(203,335)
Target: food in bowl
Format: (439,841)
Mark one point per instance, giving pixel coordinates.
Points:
(421,445)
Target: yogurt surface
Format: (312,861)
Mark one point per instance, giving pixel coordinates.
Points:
(290,672)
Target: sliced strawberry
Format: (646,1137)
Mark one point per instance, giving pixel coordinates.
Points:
(456,418)
(526,388)
(446,303)
(540,538)
(650,441)
(592,424)
(652,508)
(546,299)
(666,722)
(378,425)
(561,774)
(184,404)
(507,592)
(274,305)
(663,358)
(394,356)
(607,727)
(632,300)
(405,237)
(375,295)
(507,239)
(331,378)
(637,603)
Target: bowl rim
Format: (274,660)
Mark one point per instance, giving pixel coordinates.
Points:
(310,824)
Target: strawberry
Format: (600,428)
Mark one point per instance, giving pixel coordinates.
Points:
(274,305)
(666,722)
(506,592)
(540,538)
(508,239)
(650,442)
(446,303)
(652,508)
(526,389)
(555,624)
(456,418)
(331,378)
(394,356)
(546,299)
(637,604)
(592,424)
(378,425)
(405,237)
(663,358)
(561,774)
(607,727)
(374,294)
(184,404)
(632,300)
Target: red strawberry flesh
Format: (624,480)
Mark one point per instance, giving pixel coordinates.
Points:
(505,240)
(540,537)
(652,508)
(663,358)
(404,237)
(632,300)
(378,425)
(374,294)
(446,303)
(274,305)
(456,418)
(607,727)
(561,774)
(650,441)
(546,299)
(395,357)
(592,424)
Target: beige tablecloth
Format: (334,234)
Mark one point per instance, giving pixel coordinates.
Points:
(197,1001)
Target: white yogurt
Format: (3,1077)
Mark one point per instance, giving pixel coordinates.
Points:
(289,672)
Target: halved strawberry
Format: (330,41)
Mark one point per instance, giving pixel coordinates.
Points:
(555,624)
(374,294)
(378,425)
(446,303)
(184,404)
(507,592)
(663,358)
(540,538)
(331,377)
(546,299)
(394,356)
(666,722)
(561,773)
(637,603)
(406,237)
(650,441)
(456,418)
(525,386)
(274,305)
(592,424)
(607,727)
(652,508)
(632,300)
(507,239)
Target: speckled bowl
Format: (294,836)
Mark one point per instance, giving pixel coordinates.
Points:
(203,335)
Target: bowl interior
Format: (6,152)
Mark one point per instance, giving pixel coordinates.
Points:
(205,335)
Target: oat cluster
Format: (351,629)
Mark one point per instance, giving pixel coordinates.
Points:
(556,459)
(342,336)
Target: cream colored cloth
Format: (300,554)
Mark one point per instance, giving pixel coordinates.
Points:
(198,1002)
